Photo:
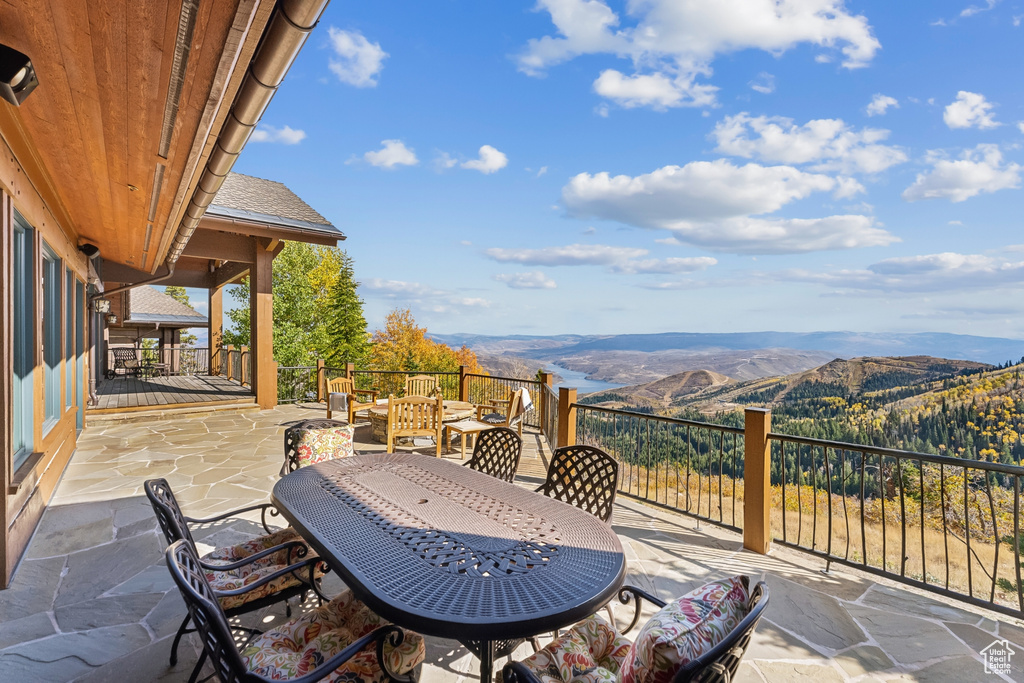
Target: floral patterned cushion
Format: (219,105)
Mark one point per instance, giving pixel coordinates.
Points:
(299,646)
(590,652)
(254,571)
(685,629)
(318,445)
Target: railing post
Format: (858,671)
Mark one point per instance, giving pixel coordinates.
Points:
(230,361)
(350,371)
(545,379)
(243,364)
(757,492)
(320,377)
(566,417)
(463,383)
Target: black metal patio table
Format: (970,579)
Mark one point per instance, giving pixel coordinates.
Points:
(450,552)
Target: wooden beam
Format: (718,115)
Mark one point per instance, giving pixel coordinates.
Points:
(183,276)
(229,273)
(261,326)
(223,246)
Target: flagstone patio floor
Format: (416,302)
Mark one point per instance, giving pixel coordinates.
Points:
(92,600)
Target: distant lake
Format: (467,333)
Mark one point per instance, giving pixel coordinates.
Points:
(579,380)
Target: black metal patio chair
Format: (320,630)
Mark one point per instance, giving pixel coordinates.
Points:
(335,638)
(249,576)
(583,476)
(714,662)
(497,452)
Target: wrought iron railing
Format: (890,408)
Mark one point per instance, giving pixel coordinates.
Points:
(486,388)
(945,524)
(691,467)
(296,384)
(392,382)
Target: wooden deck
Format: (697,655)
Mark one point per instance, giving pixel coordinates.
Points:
(136,393)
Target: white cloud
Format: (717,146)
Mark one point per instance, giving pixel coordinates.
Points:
(542,171)
(1020,126)
(490,161)
(880,103)
(418,294)
(358,61)
(978,170)
(673,43)
(831,143)
(926,273)
(393,153)
(970,110)
(627,260)
(444,161)
(714,204)
(532,280)
(764,83)
(285,135)
(971,10)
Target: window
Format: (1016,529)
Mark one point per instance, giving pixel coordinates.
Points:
(52,285)
(69,339)
(24,338)
(80,350)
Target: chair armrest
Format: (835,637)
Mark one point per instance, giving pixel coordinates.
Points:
(516,672)
(263,515)
(290,569)
(300,547)
(385,634)
(371,392)
(628,593)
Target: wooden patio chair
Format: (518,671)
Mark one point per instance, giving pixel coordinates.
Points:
(238,571)
(504,413)
(342,395)
(420,385)
(583,476)
(415,416)
(341,639)
(701,636)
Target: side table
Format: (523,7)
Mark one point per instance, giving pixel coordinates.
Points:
(466,429)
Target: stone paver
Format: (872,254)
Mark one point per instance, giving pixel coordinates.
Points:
(94,602)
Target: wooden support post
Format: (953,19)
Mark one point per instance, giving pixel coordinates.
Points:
(545,378)
(463,383)
(757,492)
(566,417)
(350,372)
(321,380)
(229,373)
(261,324)
(216,327)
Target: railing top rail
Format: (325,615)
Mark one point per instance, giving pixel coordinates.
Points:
(906,455)
(504,379)
(548,389)
(660,418)
(406,372)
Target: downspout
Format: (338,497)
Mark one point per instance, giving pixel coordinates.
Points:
(290,26)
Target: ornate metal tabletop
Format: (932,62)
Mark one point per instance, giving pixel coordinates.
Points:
(451,552)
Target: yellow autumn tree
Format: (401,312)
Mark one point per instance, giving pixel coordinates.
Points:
(403,346)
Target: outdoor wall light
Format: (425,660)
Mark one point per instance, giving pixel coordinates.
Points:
(101,305)
(111,319)
(17,75)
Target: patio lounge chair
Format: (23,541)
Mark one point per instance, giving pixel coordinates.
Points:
(420,385)
(341,639)
(126,360)
(506,413)
(497,452)
(583,476)
(415,416)
(702,636)
(248,576)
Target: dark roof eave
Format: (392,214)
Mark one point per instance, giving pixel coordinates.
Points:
(277,222)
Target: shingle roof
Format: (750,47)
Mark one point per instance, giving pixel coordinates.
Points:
(149,305)
(245,193)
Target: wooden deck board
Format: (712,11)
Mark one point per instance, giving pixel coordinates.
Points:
(137,392)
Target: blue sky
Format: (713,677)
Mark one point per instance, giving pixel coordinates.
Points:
(577,166)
